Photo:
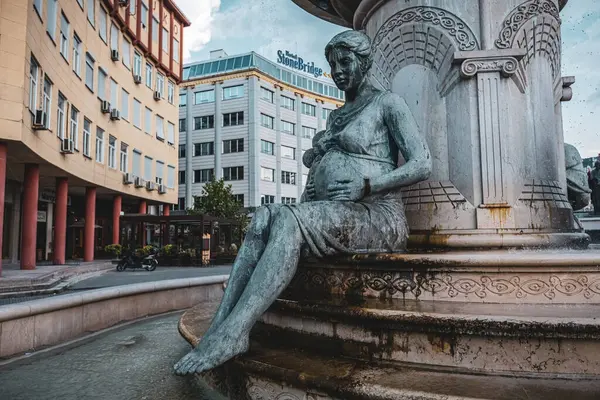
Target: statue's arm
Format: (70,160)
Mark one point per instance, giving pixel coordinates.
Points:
(405,132)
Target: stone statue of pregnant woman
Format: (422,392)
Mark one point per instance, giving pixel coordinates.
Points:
(351,204)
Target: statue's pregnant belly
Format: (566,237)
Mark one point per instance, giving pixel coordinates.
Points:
(339,166)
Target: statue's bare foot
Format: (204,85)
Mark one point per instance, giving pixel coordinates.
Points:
(212,351)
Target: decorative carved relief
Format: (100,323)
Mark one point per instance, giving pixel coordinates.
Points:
(424,195)
(520,15)
(263,390)
(544,191)
(507,66)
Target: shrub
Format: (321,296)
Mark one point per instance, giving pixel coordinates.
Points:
(115,249)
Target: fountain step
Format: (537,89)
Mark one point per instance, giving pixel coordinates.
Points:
(527,339)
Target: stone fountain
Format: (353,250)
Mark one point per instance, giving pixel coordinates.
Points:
(498,297)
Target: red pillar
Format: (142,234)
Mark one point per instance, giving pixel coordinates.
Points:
(166,213)
(29,220)
(143,210)
(90,221)
(3,151)
(116,219)
(60,220)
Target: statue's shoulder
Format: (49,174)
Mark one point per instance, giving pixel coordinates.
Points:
(392,101)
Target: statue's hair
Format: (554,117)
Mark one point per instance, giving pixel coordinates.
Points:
(355,41)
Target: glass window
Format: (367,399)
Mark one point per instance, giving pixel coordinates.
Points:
(51,18)
(326,113)
(182,125)
(160,84)
(132,6)
(114,94)
(47,99)
(239,198)
(76,55)
(233,92)
(124,158)
(149,75)
(288,178)
(87,137)
(206,96)
(61,112)
(288,103)
(144,15)
(309,109)
(170,176)
(233,173)
(176,50)
(182,99)
(74,129)
(233,146)
(288,152)
(288,200)
(136,165)
(102,77)
(155,26)
(114,37)
(171,133)
(267,121)
(148,168)
(137,113)
(170,92)
(91,9)
(112,152)
(288,127)
(103,21)
(126,56)
(181,177)
(89,72)
(34,71)
(233,119)
(99,145)
(267,199)
(308,133)
(37,5)
(204,122)
(148,121)
(159,172)
(182,151)
(204,149)
(124,104)
(160,128)
(64,36)
(165,40)
(267,147)
(266,94)
(137,64)
(267,174)
(203,175)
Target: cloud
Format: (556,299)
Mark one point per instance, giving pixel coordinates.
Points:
(201,14)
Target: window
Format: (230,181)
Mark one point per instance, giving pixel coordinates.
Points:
(182,99)
(233,92)
(137,64)
(239,198)
(89,72)
(170,92)
(304,179)
(308,133)
(144,15)
(288,178)
(233,119)
(288,103)
(136,165)
(64,36)
(74,133)
(204,149)
(147,168)
(47,99)
(170,176)
(206,96)
(203,175)
(170,133)
(160,127)
(267,121)
(148,121)
(80,2)
(99,145)
(288,200)
(103,25)
(87,137)
(160,84)
(266,94)
(114,94)
(112,152)
(233,146)
(288,152)
(180,204)
(124,158)
(165,40)
(267,147)
(267,199)
(182,151)
(132,6)
(267,174)
(182,125)
(155,26)
(309,109)
(51,18)
(102,77)
(326,113)
(205,122)
(114,37)
(91,12)
(288,127)
(181,178)
(37,4)
(126,57)
(137,113)
(34,71)
(149,75)
(176,50)
(233,173)
(124,104)
(76,55)
(160,166)
(61,112)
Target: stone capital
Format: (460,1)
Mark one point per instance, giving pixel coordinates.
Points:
(504,61)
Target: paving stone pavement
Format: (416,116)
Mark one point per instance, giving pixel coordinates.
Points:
(133,363)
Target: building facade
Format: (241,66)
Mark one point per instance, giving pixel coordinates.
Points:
(89,106)
(248,120)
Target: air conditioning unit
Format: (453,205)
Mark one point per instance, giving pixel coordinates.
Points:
(40,120)
(137,79)
(123,3)
(114,55)
(115,115)
(157,95)
(138,182)
(150,185)
(105,107)
(67,146)
(127,178)
(162,189)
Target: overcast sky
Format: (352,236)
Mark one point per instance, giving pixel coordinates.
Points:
(265,26)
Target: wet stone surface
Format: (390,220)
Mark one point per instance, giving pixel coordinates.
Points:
(131,363)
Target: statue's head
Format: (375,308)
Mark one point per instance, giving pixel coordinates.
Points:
(350,58)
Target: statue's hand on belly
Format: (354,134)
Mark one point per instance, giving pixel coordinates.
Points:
(346,190)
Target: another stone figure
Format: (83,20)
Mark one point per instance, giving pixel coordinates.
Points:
(352,203)
(595,186)
(577,179)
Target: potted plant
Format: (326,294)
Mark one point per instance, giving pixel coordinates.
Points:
(115,249)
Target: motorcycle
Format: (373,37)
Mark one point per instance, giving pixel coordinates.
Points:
(131,260)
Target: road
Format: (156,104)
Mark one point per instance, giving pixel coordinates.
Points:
(131,363)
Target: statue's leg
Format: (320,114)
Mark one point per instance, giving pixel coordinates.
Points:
(244,264)
(271,276)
